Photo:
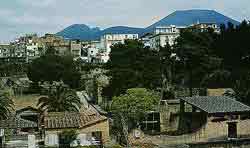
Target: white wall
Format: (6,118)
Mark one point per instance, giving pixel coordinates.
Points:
(110,39)
(52,140)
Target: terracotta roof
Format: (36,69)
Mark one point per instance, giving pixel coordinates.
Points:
(55,120)
(217,104)
(16,122)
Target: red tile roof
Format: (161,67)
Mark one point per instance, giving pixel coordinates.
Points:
(57,120)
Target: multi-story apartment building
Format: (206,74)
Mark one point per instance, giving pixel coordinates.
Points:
(108,40)
(75,48)
(58,43)
(27,47)
(23,49)
(5,50)
(102,57)
(90,50)
(32,50)
(12,53)
(165,34)
(145,39)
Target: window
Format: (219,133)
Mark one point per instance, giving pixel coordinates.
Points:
(174,29)
(96,138)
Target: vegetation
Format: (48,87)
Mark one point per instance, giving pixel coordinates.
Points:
(195,54)
(52,67)
(128,109)
(67,137)
(10,69)
(168,64)
(6,105)
(60,100)
(135,103)
(132,65)
(232,46)
(197,59)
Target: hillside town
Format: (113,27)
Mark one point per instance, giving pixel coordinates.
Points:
(30,46)
(174,84)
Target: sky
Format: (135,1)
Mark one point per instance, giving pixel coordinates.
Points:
(19,17)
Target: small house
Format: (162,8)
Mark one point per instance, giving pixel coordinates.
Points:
(91,128)
(214,118)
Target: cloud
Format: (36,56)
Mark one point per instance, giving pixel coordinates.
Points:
(39,3)
(20,16)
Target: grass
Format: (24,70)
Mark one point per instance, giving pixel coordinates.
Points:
(26,100)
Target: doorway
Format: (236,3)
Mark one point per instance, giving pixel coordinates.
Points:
(232,129)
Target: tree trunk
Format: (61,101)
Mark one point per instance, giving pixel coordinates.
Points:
(190,82)
(125,130)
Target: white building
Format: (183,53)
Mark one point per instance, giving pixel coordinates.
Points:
(108,40)
(102,57)
(75,48)
(32,49)
(90,50)
(165,34)
(145,39)
(5,50)
(92,54)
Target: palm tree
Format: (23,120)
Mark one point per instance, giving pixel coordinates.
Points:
(6,105)
(60,100)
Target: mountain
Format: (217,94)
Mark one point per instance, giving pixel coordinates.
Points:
(80,31)
(178,18)
(123,30)
(189,17)
(84,32)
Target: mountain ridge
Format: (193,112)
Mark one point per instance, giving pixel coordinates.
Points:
(178,18)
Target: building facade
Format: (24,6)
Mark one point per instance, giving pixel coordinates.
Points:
(163,35)
(108,40)
(5,50)
(75,48)
(92,129)
(23,49)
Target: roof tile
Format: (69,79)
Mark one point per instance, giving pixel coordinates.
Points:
(71,119)
(217,104)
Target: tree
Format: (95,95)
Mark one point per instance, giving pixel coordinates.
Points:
(6,105)
(217,79)
(194,51)
(168,61)
(60,100)
(52,67)
(67,137)
(232,45)
(241,89)
(11,68)
(132,65)
(132,106)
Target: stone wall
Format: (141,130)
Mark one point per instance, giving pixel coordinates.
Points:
(214,131)
(169,115)
(216,92)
